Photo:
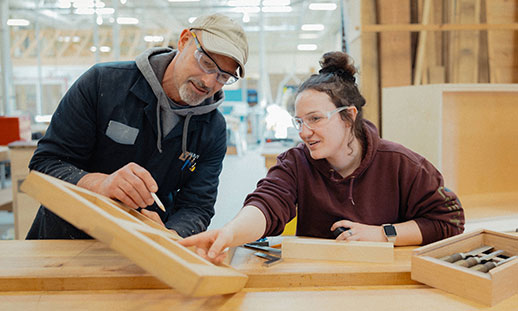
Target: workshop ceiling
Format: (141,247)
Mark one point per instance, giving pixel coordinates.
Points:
(282,28)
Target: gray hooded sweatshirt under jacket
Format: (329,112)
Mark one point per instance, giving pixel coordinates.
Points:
(153,64)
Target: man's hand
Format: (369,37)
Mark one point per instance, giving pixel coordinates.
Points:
(210,244)
(131,184)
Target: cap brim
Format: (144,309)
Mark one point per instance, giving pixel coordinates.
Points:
(218,45)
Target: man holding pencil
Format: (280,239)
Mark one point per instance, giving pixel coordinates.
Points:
(148,130)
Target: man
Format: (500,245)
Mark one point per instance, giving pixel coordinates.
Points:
(126,129)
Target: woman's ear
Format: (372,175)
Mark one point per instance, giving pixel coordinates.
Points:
(185,36)
(353,112)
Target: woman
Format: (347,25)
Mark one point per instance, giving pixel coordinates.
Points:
(344,175)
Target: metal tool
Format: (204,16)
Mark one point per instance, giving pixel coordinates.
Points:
(471,261)
(271,260)
(458,256)
(260,242)
(263,248)
(490,264)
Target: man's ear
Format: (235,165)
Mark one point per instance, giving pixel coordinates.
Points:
(185,36)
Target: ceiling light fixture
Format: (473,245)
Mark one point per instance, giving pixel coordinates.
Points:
(127,20)
(153,38)
(312,27)
(17,22)
(307,47)
(246,9)
(322,6)
(246,17)
(240,3)
(308,36)
(276,2)
(64,4)
(276,9)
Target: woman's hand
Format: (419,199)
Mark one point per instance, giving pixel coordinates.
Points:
(210,244)
(359,232)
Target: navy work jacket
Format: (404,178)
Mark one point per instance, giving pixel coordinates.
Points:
(76,144)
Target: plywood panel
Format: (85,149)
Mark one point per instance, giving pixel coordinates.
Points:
(464,45)
(480,145)
(503,51)
(369,73)
(395,50)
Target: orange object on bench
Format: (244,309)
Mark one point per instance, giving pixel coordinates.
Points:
(14,128)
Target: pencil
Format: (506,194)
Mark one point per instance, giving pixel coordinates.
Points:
(157,201)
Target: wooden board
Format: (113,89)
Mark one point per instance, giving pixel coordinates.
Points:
(54,265)
(324,249)
(24,207)
(476,127)
(386,298)
(395,50)
(464,45)
(369,73)
(502,47)
(146,243)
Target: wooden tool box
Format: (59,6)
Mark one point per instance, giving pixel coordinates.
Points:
(487,288)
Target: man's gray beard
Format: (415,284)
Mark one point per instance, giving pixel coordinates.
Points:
(189,97)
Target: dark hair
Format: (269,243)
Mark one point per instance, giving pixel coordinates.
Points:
(336,79)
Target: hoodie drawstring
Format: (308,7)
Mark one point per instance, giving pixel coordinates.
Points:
(159,129)
(184,134)
(351,190)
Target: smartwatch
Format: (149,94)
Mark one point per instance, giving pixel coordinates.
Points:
(390,232)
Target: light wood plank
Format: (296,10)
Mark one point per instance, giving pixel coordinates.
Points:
(400,27)
(464,46)
(421,47)
(39,265)
(387,298)
(324,249)
(503,54)
(369,73)
(395,51)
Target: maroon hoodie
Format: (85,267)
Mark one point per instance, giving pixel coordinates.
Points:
(392,185)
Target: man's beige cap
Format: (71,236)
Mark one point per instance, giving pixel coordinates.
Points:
(222,35)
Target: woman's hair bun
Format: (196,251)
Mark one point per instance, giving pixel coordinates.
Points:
(338,63)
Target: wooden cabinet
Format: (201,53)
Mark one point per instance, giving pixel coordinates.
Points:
(468,131)
(24,207)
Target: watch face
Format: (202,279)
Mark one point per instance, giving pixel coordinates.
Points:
(390,230)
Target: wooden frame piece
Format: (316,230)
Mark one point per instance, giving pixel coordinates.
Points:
(149,245)
(324,249)
(487,288)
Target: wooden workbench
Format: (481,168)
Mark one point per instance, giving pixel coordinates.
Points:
(69,275)
(89,264)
